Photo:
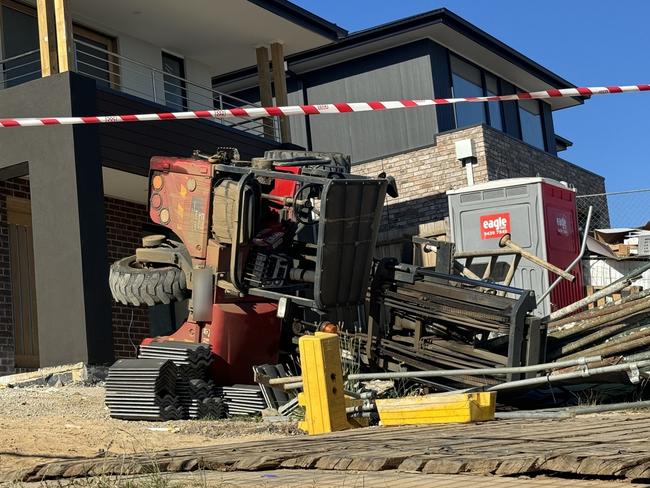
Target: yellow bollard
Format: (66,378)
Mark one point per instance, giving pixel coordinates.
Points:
(322,382)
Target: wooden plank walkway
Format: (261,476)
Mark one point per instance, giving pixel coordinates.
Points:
(607,446)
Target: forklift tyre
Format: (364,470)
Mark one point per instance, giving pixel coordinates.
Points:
(133,284)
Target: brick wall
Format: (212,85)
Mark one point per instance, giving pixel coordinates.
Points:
(424,175)
(18,188)
(508,157)
(124,223)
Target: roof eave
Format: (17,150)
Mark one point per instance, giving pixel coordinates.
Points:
(441,15)
(303,17)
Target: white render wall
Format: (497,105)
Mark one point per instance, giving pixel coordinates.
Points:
(198,97)
(137,55)
(602,272)
(136,79)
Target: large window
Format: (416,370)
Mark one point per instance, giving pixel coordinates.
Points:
(530,118)
(466,82)
(19,37)
(469,80)
(173,79)
(494,108)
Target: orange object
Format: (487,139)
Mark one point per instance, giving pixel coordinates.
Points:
(157,182)
(329,327)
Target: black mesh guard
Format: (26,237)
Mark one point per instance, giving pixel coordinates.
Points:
(349,223)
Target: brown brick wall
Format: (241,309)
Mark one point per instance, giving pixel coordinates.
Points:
(124,223)
(424,175)
(18,188)
(508,157)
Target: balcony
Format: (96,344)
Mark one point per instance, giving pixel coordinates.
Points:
(113,71)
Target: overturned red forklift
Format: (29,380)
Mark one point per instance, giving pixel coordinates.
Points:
(265,250)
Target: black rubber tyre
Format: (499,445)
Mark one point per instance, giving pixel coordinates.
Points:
(134,285)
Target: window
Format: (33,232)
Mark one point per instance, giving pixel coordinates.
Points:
(174,84)
(530,118)
(494,108)
(95,56)
(466,82)
(469,80)
(19,36)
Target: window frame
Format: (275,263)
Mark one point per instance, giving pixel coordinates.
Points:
(450,55)
(111,47)
(182,76)
(541,120)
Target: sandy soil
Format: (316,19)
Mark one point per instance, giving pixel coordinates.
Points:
(44,424)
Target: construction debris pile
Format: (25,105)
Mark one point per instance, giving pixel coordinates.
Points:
(625,241)
(428,320)
(620,328)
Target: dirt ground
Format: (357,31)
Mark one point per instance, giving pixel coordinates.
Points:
(44,424)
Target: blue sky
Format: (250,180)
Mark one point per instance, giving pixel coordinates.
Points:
(588,43)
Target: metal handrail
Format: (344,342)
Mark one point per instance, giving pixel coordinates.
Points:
(17,77)
(112,72)
(34,61)
(159,71)
(18,56)
(209,98)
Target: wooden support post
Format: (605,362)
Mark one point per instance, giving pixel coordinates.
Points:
(47,37)
(264,82)
(280,87)
(64,37)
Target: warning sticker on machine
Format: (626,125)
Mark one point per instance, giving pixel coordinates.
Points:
(494,226)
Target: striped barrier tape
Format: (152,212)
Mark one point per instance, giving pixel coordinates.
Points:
(327,108)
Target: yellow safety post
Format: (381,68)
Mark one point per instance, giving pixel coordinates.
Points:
(322,382)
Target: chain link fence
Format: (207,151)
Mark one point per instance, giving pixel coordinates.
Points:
(615,209)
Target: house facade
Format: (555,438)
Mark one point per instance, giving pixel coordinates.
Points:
(433,55)
(73,199)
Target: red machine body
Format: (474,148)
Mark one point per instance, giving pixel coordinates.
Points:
(242,335)
(243,331)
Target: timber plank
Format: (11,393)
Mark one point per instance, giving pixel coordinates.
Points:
(640,471)
(259,463)
(519,465)
(343,464)
(444,466)
(375,463)
(413,464)
(78,469)
(307,461)
(609,465)
(482,465)
(327,462)
(563,463)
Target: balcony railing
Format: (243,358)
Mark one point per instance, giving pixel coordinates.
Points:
(19,69)
(139,79)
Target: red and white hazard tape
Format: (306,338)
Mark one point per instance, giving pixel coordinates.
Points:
(327,108)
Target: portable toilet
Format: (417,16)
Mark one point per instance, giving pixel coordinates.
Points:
(540,214)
